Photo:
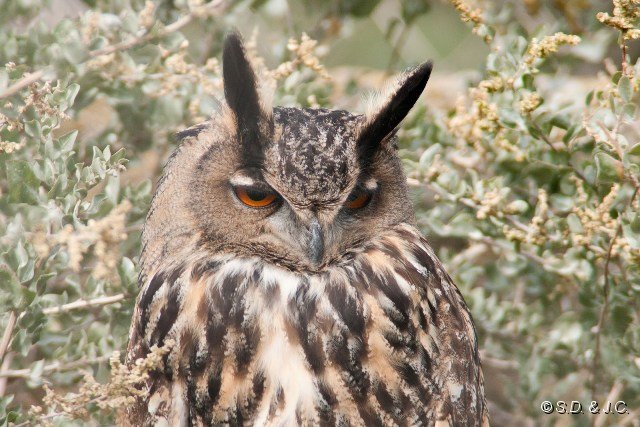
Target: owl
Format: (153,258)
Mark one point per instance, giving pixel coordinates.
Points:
(281,257)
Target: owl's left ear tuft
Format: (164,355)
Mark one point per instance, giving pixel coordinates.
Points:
(384,120)
(242,96)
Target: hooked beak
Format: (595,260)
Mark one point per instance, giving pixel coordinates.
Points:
(316,242)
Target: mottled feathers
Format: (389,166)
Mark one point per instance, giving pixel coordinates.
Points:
(281,257)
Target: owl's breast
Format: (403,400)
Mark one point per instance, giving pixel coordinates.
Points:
(384,339)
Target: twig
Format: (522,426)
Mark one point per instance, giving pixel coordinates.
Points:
(133,228)
(171,28)
(613,396)
(580,175)
(533,257)
(471,204)
(395,53)
(605,290)
(605,306)
(497,363)
(5,365)
(4,345)
(569,162)
(464,201)
(22,83)
(54,367)
(83,303)
(8,331)
(602,316)
(483,239)
(544,137)
(612,133)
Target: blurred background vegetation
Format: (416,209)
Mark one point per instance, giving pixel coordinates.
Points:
(523,155)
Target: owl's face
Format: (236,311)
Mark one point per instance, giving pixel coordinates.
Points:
(302,188)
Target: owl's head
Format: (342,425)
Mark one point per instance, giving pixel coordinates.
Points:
(302,188)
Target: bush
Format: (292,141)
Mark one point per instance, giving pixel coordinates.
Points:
(527,185)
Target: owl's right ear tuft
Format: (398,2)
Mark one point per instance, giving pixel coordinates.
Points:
(383,121)
(242,96)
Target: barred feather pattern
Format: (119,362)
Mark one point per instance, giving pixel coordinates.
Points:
(382,337)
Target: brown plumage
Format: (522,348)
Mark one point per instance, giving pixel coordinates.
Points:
(280,255)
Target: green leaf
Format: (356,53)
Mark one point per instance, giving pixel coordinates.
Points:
(23,182)
(624,88)
(527,81)
(22,257)
(33,129)
(635,149)
(59,186)
(392,24)
(570,132)
(608,169)
(510,118)
(7,278)
(27,296)
(631,231)
(257,4)
(412,9)
(117,156)
(9,287)
(589,98)
(358,8)
(574,223)
(621,319)
(97,163)
(70,94)
(36,369)
(629,111)
(25,272)
(534,132)
(615,78)
(66,141)
(560,122)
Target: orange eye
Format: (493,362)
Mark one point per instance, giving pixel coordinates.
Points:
(358,199)
(255,197)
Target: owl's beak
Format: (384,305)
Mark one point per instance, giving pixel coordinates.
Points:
(316,242)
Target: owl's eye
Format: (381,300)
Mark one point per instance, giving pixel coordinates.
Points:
(358,199)
(255,197)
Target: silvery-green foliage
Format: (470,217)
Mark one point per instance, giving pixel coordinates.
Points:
(527,186)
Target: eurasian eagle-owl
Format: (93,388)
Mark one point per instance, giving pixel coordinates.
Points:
(281,256)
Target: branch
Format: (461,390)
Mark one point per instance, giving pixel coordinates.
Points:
(571,165)
(464,201)
(171,28)
(400,41)
(5,365)
(605,305)
(510,218)
(54,367)
(57,366)
(8,331)
(497,363)
(4,345)
(84,303)
(613,396)
(22,83)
